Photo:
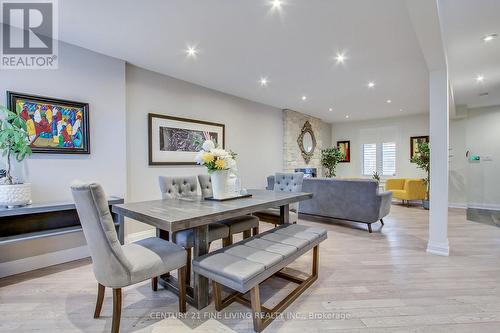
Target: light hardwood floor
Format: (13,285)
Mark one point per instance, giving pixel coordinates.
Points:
(380,282)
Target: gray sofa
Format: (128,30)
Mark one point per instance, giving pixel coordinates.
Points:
(355,200)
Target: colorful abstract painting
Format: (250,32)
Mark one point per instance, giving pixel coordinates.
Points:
(345,148)
(176,141)
(53,126)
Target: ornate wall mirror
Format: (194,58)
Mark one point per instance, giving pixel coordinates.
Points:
(307,142)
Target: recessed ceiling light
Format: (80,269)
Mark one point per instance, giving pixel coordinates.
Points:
(330,109)
(304,97)
(479,78)
(346,116)
(340,57)
(389,101)
(276,4)
(371,84)
(263,81)
(191,51)
(489,38)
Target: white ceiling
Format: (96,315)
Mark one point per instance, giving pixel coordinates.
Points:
(240,41)
(465,22)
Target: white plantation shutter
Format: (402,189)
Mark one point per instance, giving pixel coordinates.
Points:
(369,158)
(389,159)
(380,158)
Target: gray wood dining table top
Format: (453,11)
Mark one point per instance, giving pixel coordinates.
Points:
(184,213)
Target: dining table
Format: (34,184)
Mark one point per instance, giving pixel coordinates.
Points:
(195,212)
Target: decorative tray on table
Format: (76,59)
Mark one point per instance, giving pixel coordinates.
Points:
(241,196)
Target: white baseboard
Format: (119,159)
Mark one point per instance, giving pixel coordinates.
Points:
(457,205)
(484,206)
(136,236)
(43,260)
(440,249)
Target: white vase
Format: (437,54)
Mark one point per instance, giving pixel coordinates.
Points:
(15,195)
(219,183)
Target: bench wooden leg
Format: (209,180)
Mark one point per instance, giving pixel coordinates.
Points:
(247,233)
(217,296)
(227,241)
(255,231)
(182,287)
(100,299)
(256,309)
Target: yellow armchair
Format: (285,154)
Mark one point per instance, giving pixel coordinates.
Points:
(407,189)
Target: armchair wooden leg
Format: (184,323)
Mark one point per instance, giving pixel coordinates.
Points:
(382,221)
(255,231)
(117,310)
(100,299)
(182,287)
(256,308)
(370,228)
(187,274)
(154,283)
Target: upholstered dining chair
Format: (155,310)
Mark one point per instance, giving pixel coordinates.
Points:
(283,182)
(116,266)
(246,224)
(179,187)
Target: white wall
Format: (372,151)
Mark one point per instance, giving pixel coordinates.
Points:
(476,183)
(253,130)
(398,130)
(87,77)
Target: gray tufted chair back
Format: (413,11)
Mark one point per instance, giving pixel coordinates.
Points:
(289,182)
(176,187)
(109,263)
(206,185)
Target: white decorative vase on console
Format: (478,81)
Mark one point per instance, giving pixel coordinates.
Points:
(219,180)
(15,195)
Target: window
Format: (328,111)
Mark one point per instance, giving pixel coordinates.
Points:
(369,159)
(380,158)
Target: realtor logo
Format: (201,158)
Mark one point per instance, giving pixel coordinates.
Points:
(29,34)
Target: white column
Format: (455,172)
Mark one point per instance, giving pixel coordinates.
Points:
(439,134)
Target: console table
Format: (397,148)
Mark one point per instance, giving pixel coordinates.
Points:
(44,219)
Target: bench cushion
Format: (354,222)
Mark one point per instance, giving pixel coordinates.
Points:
(249,262)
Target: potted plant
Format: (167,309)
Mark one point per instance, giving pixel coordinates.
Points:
(330,157)
(15,147)
(219,163)
(376,176)
(423,161)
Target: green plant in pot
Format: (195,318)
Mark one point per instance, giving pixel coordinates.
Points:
(330,157)
(15,147)
(423,161)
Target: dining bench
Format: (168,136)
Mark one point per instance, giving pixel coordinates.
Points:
(243,266)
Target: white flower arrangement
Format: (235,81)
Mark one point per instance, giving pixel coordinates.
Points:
(216,158)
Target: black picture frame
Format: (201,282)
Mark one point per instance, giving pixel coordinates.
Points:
(13,97)
(347,143)
(414,140)
(190,161)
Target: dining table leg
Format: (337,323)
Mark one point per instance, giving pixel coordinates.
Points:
(200,283)
(284,214)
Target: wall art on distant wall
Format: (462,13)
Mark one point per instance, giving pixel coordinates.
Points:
(414,141)
(175,141)
(345,147)
(54,126)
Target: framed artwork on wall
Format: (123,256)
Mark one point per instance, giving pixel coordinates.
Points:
(414,141)
(345,147)
(54,126)
(176,141)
